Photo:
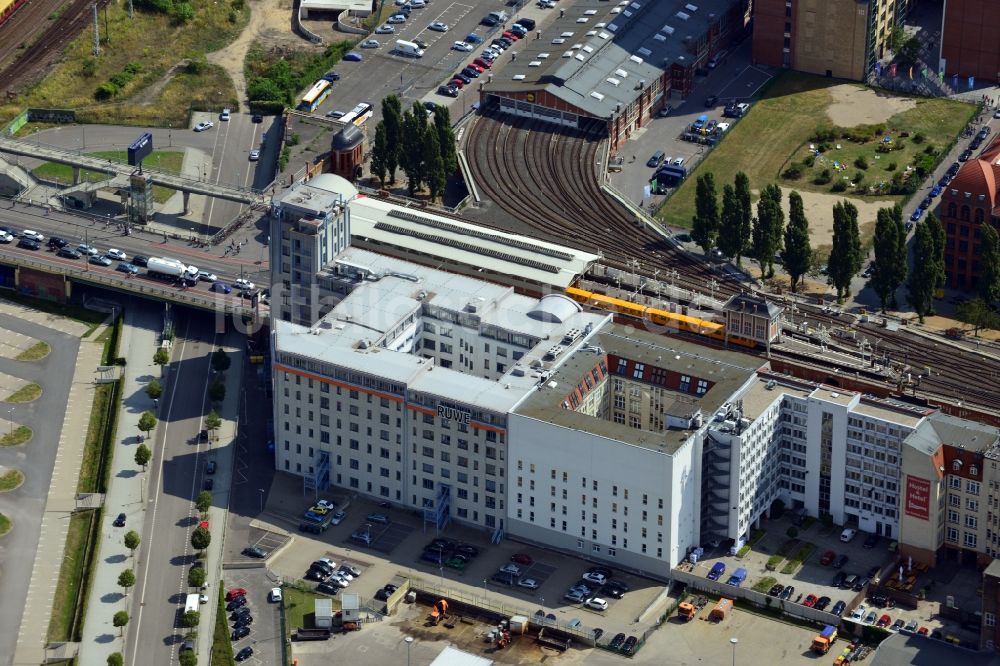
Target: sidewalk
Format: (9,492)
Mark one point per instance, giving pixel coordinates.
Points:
(32,637)
(100,639)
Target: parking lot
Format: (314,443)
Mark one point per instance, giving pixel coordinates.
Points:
(265,631)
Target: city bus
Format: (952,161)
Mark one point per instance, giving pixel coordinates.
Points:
(359,114)
(319,92)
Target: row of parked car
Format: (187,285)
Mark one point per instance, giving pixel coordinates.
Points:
(447,553)
(241,618)
(485,60)
(594,580)
(331,578)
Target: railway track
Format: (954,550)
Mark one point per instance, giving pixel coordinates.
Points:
(48,44)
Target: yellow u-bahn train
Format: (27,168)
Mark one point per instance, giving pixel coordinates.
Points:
(7,9)
(654,318)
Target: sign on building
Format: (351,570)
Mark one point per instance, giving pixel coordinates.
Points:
(918,497)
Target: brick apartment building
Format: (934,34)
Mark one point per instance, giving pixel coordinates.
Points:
(966,204)
(969,45)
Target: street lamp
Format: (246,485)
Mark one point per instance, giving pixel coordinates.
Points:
(734,641)
(409,642)
(10,413)
(261,490)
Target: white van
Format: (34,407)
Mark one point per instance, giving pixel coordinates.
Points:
(192,603)
(406,48)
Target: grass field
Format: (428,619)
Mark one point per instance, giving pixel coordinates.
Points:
(5,524)
(36,352)
(71,575)
(156,44)
(300,609)
(164,160)
(19,435)
(776,132)
(90,467)
(11,480)
(26,393)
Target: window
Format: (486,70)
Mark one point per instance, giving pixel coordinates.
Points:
(970,540)
(972,487)
(989,620)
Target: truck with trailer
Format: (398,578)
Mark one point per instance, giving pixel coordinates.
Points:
(411,49)
(824,639)
(737,578)
(302,634)
(171,269)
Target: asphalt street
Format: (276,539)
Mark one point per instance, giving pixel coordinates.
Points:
(179,461)
(25,505)
(228,144)
(251,262)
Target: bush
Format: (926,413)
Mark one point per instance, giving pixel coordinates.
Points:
(197,64)
(930,149)
(792,532)
(191,619)
(858,178)
(810,161)
(839,186)
(919,138)
(823,135)
(793,172)
(183,13)
(105,91)
(824,177)
(292,140)
(773,562)
(891,166)
(89,69)
(861,163)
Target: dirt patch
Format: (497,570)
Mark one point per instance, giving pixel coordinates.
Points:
(270,25)
(853,105)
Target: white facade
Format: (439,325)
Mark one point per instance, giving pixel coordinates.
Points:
(603,498)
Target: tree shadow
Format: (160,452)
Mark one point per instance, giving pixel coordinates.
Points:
(112,597)
(105,638)
(127,473)
(115,559)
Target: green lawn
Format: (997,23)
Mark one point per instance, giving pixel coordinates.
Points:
(164,160)
(19,435)
(11,480)
(71,575)
(90,467)
(36,352)
(777,129)
(300,609)
(5,524)
(26,393)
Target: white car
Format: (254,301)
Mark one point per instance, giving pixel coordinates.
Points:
(6,237)
(847,534)
(384,30)
(597,603)
(400,3)
(511,569)
(438,26)
(201,127)
(205,276)
(117,255)
(370,44)
(240,283)
(338,580)
(345,574)
(722,127)
(275,594)
(254,155)
(32,235)
(326,504)
(418,3)
(528,583)
(859,613)
(462,46)
(88,250)
(338,517)
(595,578)
(546,4)
(397,18)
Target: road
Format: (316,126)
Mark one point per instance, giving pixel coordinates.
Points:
(227,145)
(154,634)
(251,262)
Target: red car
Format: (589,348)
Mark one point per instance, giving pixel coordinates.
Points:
(236,593)
(922,631)
(511,36)
(479,68)
(458,83)
(810,601)
(884,621)
(521,558)
(482,63)
(827,558)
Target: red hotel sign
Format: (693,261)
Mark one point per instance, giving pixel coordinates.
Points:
(918,497)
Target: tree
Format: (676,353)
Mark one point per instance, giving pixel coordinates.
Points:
(147,421)
(923,276)
(116,659)
(728,240)
(204,501)
(213,421)
(909,53)
(845,257)
(745,212)
(200,539)
(191,619)
(989,264)
(884,280)
(142,456)
(797,255)
(221,360)
(196,577)
(119,620)
(380,150)
(161,357)
(126,579)
(392,116)
(434,167)
(770,217)
(188,658)
(978,313)
(705,223)
(217,391)
(937,235)
(411,157)
(132,541)
(446,139)
(902,267)
(154,389)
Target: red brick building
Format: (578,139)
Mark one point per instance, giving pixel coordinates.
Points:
(966,204)
(969,39)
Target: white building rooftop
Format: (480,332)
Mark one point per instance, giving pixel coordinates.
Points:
(376,328)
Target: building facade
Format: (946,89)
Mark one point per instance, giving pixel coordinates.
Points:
(968,39)
(967,203)
(834,39)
